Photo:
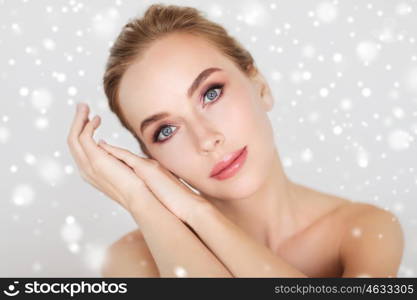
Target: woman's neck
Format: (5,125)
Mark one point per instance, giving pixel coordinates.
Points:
(272,213)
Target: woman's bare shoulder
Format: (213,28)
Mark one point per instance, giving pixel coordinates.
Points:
(129,256)
(335,204)
(352,210)
(371,234)
(343,212)
(368,215)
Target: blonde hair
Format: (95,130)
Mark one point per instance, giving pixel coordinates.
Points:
(158,21)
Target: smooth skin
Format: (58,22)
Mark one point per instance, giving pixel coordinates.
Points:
(172,243)
(182,231)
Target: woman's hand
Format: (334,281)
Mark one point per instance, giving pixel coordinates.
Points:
(169,190)
(102,170)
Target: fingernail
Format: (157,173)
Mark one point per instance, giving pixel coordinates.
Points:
(101,141)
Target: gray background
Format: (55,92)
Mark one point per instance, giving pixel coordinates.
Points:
(343,74)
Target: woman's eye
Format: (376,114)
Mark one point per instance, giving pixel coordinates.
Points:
(165,131)
(213,93)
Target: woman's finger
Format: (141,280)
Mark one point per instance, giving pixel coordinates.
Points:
(102,164)
(178,198)
(81,159)
(164,185)
(91,150)
(80,118)
(128,157)
(78,124)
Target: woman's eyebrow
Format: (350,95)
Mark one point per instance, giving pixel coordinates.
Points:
(148,121)
(200,78)
(196,83)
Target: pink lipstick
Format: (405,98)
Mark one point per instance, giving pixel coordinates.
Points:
(230,165)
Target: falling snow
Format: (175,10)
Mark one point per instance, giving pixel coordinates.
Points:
(367,51)
(180,271)
(94,255)
(4,134)
(23,195)
(104,23)
(399,140)
(71,231)
(51,171)
(343,77)
(356,232)
(307,155)
(327,12)
(363,275)
(41,98)
(253,13)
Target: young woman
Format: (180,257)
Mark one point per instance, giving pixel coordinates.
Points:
(211,198)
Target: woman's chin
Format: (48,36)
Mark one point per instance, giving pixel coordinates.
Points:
(242,187)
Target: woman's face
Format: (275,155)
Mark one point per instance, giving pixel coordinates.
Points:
(225,112)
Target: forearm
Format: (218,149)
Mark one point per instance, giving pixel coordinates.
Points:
(173,245)
(240,253)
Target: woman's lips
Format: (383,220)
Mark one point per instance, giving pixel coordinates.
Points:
(230,164)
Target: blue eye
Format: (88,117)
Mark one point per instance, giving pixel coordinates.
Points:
(164,130)
(212,93)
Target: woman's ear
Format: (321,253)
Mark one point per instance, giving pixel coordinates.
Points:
(266,95)
(263,90)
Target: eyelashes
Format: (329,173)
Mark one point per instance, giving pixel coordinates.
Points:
(207,93)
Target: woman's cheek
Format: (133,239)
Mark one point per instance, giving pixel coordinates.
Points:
(232,116)
(238,117)
(179,153)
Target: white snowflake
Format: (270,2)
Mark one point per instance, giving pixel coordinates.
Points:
(72,91)
(356,232)
(367,51)
(253,13)
(30,159)
(403,9)
(4,134)
(71,232)
(23,195)
(180,271)
(41,123)
(306,155)
(215,11)
(50,171)
(366,92)
(48,44)
(94,256)
(41,98)
(104,22)
(362,158)
(324,92)
(399,140)
(327,12)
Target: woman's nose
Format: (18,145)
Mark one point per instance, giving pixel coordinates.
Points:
(208,138)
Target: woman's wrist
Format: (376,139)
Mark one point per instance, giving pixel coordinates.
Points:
(199,212)
(138,206)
